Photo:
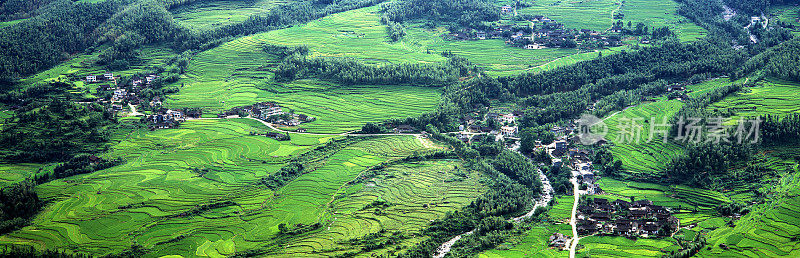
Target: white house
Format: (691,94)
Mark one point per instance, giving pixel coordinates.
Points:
(174,114)
(508,131)
(507,118)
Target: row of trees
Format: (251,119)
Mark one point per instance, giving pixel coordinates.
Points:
(461,13)
(353,71)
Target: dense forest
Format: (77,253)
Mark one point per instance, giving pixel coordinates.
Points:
(20,9)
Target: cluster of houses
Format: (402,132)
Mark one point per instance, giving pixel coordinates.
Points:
(621,218)
(471,131)
(124,93)
(548,33)
(272,112)
(165,119)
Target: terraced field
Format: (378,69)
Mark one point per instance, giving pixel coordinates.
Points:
(416,193)
(210,14)
(630,130)
(85,64)
(787,14)
(594,15)
(12,173)
(607,246)
(171,173)
(239,73)
(769,231)
(773,97)
(498,58)
(357,33)
(660,13)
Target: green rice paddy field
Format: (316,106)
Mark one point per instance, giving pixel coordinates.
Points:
(787,14)
(598,14)
(770,230)
(773,97)
(170,172)
(632,142)
(210,14)
(239,73)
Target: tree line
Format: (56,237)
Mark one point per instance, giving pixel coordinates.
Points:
(350,71)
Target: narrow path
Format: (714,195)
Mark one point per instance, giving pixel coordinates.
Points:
(573,217)
(133,110)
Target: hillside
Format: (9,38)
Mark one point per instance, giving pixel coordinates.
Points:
(405,128)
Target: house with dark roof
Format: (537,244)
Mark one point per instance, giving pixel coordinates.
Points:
(622,204)
(641,203)
(601,216)
(558,240)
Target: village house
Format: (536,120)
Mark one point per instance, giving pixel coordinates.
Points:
(119,95)
(561,145)
(174,114)
(404,129)
(557,163)
(587,227)
(505,9)
(156,102)
(508,131)
(163,120)
(108,76)
(558,240)
(91,78)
